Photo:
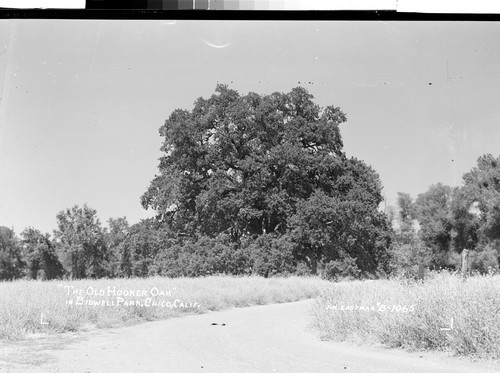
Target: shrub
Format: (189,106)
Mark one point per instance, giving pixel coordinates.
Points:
(302,269)
(270,255)
(484,260)
(405,258)
(346,268)
(201,257)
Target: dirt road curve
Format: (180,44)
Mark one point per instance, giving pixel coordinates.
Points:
(273,338)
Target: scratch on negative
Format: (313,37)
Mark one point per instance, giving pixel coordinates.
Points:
(95,49)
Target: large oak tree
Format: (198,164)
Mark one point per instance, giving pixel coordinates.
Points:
(253,165)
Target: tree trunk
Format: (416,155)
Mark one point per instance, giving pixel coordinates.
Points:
(421,271)
(465,262)
(313,261)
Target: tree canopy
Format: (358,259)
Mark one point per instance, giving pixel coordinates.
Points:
(432,209)
(11,261)
(80,240)
(40,255)
(247,166)
(481,196)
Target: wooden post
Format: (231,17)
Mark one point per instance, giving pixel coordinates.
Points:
(421,271)
(465,262)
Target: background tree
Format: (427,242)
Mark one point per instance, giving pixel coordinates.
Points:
(482,187)
(407,250)
(244,166)
(455,219)
(476,212)
(117,232)
(405,212)
(40,255)
(432,210)
(11,262)
(80,241)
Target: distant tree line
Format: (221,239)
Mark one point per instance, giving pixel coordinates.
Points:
(79,248)
(442,222)
(261,185)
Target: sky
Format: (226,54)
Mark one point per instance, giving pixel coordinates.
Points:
(82,101)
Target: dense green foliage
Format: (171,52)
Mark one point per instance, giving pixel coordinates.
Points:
(11,262)
(80,242)
(432,210)
(40,255)
(455,219)
(269,175)
(408,249)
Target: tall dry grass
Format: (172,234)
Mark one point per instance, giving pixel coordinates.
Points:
(28,307)
(415,315)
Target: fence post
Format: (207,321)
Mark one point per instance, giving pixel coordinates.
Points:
(465,262)
(421,271)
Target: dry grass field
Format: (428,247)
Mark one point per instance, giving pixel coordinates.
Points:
(442,313)
(32,307)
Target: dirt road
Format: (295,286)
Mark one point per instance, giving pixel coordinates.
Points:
(274,338)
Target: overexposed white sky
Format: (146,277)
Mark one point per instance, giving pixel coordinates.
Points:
(82,101)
